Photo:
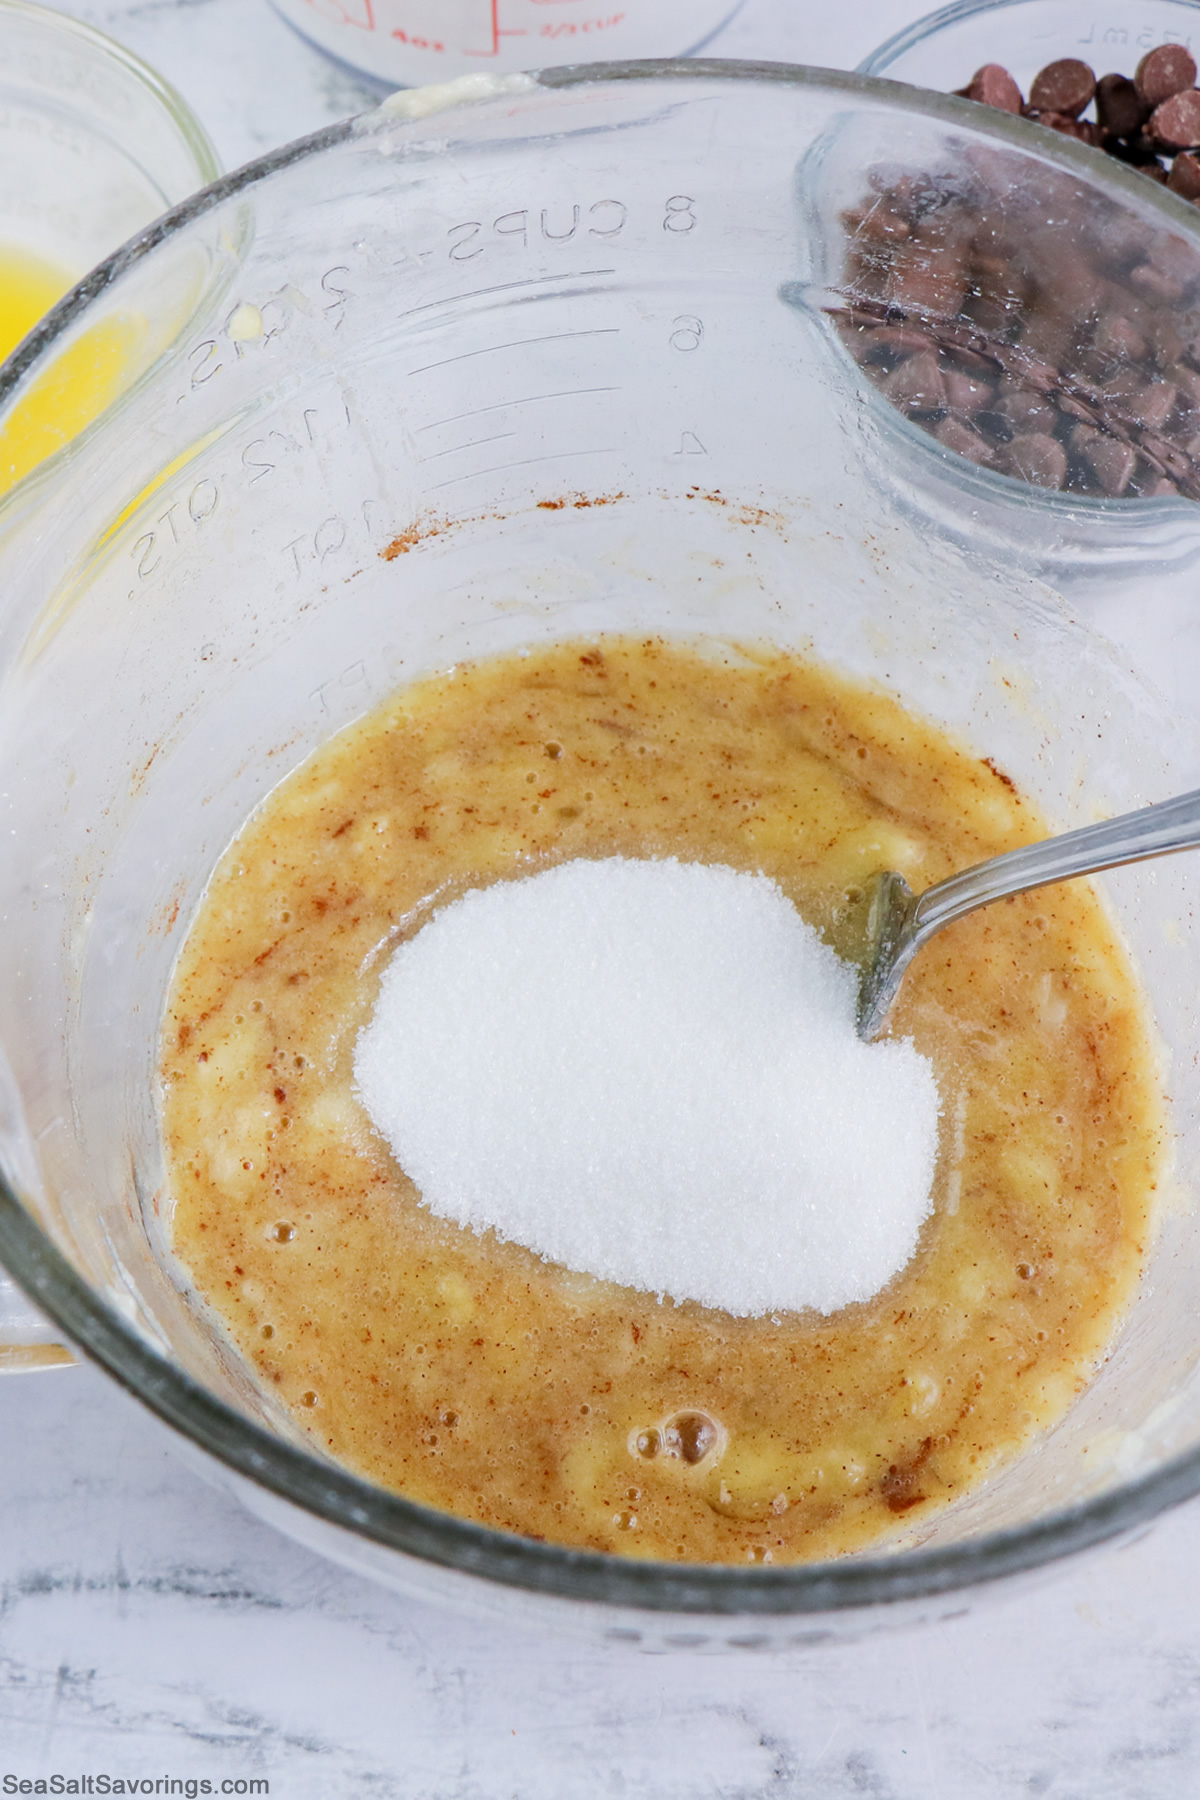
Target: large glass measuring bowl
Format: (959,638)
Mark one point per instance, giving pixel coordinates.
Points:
(545,364)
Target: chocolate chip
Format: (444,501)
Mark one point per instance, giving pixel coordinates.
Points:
(1163,72)
(1025,409)
(1111,462)
(1066,87)
(1153,404)
(916,386)
(1035,457)
(1118,340)
(1156,284)
(1139,150)
(1083,129)
(1187,382)
(892,342)
(1120,109)
(976,362)
(1185,176)
(994,86)
(1176,123)
(960,438)
(994,425)
(1032,369)
(966,394)
(926,280)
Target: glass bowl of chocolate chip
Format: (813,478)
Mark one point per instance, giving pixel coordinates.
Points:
(1024,352)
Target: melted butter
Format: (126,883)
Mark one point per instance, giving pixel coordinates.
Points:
(77,386)
(29,286)
(470,1375)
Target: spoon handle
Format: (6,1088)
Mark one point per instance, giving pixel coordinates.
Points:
(1151,831)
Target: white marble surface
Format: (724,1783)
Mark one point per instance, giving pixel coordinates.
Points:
(149,1630)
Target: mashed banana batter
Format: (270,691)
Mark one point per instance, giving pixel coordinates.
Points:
(466,1373)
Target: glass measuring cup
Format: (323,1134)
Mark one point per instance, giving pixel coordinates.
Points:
(408,42)
(519,370)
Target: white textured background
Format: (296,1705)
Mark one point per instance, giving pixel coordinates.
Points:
(149,1630)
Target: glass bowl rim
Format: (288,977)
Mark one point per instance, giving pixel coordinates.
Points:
(877,61)
(334,1494)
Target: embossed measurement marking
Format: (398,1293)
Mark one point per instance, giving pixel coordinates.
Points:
(553,337)
(526,462)
(1145,39)
(206,360)
(471,444)
(506,287)
(525,400)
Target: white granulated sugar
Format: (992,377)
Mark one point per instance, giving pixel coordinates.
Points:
(648,1071)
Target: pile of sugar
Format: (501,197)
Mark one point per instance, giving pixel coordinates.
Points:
(648,1071)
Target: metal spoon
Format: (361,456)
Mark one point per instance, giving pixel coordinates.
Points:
(899,923)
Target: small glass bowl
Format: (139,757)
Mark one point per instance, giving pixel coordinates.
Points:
(93,147)
(1088,385)
(93,144)
(944,49)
